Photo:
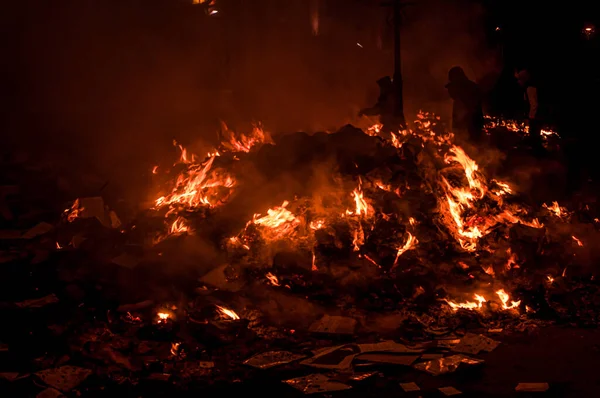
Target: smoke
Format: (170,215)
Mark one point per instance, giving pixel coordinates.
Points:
(112,83)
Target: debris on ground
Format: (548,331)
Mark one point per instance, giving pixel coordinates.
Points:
(475,343)
(64,378)
(447,365)
(449,391)
(316,383)
(532,387)
(410,387)
(271,359)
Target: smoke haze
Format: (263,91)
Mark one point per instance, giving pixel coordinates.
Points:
(112,83)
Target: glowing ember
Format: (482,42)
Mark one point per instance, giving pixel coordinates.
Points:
(162,317)
(227,313)
(579,243)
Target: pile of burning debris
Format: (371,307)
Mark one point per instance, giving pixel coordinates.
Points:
(329,249)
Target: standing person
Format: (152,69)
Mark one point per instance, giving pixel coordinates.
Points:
(531,98)
(467,112)
(385,105)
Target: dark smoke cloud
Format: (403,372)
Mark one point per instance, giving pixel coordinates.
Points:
(113,82)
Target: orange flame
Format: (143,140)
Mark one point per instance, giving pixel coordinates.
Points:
(227,313)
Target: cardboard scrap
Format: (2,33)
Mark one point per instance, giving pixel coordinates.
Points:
(126,260)
(388,358)
(532,387)
(339,357)
(39,302)
(387,346)
(475,343)
(40,229)
(94,208)
(49,393)
(410,387)
(427,357)
(64,378)
(449,391)
(316,383)
(334,325)
(10,376)
(218,279)
(271,359)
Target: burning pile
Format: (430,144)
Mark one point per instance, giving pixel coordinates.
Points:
(418,192)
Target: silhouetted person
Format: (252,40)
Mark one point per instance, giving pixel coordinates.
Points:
(384,108)
(467,112)
(531,98)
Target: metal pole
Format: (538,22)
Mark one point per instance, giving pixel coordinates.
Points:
(399,108)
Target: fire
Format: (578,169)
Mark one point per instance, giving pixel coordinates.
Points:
(362,208)
(579,243)
(74,211)
(178,227)
(242,142)
(199,185)
(555,209)
(272,279)
(411,242)
(162,317)
(58,246)
(227,313)
(278,223)
(480,300)
(175,348)
(460,202)
(317,224)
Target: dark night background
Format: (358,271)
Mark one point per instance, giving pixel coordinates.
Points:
(109,83)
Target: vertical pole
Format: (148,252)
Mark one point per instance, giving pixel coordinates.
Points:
(399,108)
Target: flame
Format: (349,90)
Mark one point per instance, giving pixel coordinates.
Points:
(411,242)
(242,142)
(175,349)
(162,317)
(227,313)
(178,227)
(362,208)
(479,300)
(199,185)
(58,246)
(579,243)
(317,224)
(74,211)
(272,279)
(504,297)
(278,223)
(155,170)
(555,209)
